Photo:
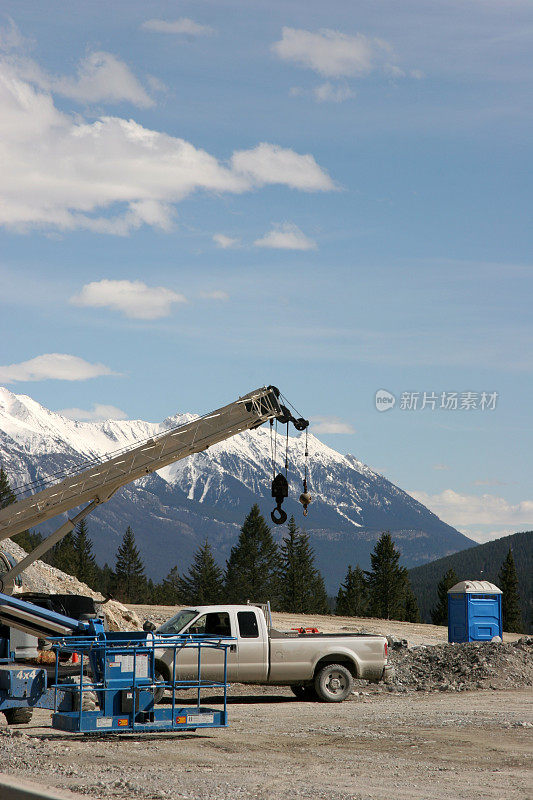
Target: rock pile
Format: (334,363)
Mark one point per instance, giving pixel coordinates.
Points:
(41,577)
(458,667)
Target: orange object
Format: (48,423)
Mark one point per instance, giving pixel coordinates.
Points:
(75,658)
(306,630)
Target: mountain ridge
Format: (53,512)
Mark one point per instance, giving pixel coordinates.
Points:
(208,494)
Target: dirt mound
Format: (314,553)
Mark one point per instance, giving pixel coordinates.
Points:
(458,667)
(41,577)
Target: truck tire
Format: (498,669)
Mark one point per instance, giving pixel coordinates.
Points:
(160,691)
(304,692)
(18,716)
(333,683)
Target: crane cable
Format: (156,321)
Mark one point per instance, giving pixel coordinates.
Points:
(287,454)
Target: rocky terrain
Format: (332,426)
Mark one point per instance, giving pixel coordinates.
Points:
(459,667)
(41,577)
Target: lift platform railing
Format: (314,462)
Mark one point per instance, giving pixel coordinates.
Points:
(123,680)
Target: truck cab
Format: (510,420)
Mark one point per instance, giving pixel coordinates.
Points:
(247,656)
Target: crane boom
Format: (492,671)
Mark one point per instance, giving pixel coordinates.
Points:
(99,483)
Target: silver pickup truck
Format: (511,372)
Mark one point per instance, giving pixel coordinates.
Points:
(315,665)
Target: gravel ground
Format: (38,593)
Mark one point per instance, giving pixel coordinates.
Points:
(425,736)
(374,747)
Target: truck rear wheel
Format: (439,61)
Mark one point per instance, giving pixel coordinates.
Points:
(18,716)
(304,692)
(333,683)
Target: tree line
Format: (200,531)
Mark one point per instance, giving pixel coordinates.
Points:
(258,569)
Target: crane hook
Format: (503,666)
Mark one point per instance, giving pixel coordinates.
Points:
(280,490)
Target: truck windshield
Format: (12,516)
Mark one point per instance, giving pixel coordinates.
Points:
(178,622)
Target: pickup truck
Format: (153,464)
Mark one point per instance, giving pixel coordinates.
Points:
(317,666)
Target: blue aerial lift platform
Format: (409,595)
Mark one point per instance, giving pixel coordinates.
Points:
(116,673)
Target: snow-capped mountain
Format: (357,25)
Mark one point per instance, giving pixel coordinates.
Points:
(208,494)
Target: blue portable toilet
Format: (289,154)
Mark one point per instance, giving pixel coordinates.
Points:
(474,612)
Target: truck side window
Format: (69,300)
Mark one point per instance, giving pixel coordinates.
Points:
(212,624)
(248,628)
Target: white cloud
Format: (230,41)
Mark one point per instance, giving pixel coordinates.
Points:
(329,92)
(216,294)
(10,36)
(184,25)
(98,413)
(472,510)
(286,236)
(133,298)
(101,78)
(113,175)
(269,163)
(330,53)
(330,425)
(440,466)
(225,242)
(53,366)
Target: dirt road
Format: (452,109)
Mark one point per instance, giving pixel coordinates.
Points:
(410,747)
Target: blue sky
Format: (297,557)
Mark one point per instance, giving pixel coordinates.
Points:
(335,198)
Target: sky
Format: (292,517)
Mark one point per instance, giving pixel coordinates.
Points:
(200,198)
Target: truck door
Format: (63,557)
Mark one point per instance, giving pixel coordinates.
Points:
(253,647)
(218,625)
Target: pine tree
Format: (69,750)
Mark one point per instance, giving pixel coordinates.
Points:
(352,599)
(129,584)
(204,582)
(302,589)
(168,591)
(7,495)
(411,612)
(512,616)
(28,540)
(85,561)
(63,555)
(439,614)
(252,570)
(386,581)
(104,580)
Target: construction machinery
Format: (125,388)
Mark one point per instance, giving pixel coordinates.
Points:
(122,665)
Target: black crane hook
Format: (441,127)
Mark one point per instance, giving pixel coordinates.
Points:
(280,490)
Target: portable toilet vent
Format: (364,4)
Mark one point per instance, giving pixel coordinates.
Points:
(474,612)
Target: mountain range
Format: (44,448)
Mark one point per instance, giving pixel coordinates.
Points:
(207,495)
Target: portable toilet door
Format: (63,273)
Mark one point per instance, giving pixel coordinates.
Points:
(474,612)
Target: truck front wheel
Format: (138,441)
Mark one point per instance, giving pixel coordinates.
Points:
(18,716)
(333,683)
